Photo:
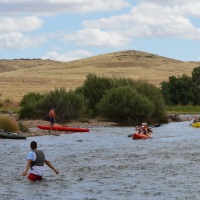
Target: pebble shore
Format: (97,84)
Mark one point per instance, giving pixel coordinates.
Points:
(34,131)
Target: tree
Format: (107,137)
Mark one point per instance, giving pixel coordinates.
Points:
(165,92)
(177,90)
(93,90)
(154,94)
(196,85)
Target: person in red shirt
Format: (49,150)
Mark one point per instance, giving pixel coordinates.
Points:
(52,117)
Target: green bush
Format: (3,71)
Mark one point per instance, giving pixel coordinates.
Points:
(120,103)
(30,98)
(153,93)
(95,87)
(68,105)
(8,123)
(93,90)
(28,112)
(28,105)
(121,81)
(114,98)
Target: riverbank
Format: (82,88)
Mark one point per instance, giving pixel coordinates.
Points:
(34,131)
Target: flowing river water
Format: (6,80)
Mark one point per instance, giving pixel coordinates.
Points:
(105,164)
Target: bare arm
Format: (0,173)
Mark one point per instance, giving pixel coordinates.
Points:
(51,166)
(28,165)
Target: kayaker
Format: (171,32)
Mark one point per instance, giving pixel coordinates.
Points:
(147,131)
(141,129)
(138,129)
(144,129)
(196,119)
(52,117)
(35,161)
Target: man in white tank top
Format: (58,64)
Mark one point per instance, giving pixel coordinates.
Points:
(35,161)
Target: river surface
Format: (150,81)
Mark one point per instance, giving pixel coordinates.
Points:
(105,164)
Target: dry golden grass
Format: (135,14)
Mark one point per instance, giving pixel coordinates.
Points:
(8,123)
(19,77)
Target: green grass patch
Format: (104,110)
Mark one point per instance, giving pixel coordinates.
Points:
(179,109)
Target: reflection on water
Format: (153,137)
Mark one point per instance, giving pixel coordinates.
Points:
(106,164)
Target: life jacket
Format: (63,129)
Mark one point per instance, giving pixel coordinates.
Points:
(52,113)
(144,129)
(40,158)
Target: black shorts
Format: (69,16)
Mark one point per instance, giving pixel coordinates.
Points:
(52,120)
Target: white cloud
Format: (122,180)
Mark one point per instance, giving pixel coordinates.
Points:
(181,7)
(170,2)
(145,20)
(58,6)
(96,37)
(189,9)
(92,6)
(67,56)
(55,48)
(161,21)
(11,32)
(17,40)
(29,23)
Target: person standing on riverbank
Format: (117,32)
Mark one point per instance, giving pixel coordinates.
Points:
(52,118)
(35,161)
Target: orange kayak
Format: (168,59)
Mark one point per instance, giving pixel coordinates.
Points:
(137,136)
(64,128)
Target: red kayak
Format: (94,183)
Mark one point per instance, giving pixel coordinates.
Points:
(137,136)
(64,128)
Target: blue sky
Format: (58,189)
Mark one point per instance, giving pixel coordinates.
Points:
(66,30)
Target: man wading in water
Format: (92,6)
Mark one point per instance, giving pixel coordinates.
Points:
(35,161)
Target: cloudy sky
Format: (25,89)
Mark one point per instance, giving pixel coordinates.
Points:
(66,30)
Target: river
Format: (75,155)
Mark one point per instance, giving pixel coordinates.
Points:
(105,164)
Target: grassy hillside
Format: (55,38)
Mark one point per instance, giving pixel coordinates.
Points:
(18,77)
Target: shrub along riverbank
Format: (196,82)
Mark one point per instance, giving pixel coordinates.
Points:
(113,99)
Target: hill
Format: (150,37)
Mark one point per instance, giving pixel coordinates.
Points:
(19,77)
